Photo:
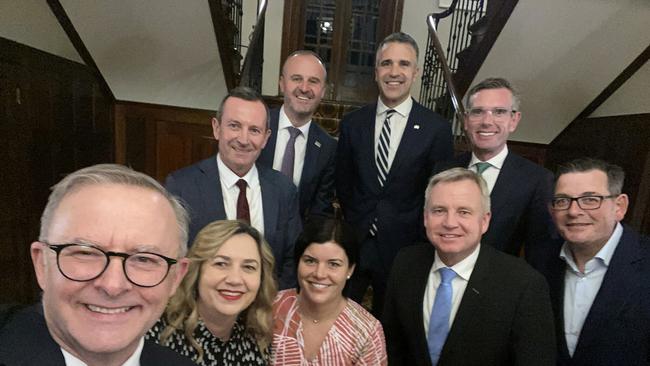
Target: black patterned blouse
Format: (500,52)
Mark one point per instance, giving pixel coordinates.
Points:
(240,350)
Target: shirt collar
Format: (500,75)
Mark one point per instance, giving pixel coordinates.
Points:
(229,178)
(496,161)
(605,253)
(284,122)
(463,268)
(134,360)
(403,108)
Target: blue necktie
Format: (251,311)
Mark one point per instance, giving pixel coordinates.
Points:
(439,321)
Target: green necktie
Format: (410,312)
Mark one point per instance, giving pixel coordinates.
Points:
(481,167)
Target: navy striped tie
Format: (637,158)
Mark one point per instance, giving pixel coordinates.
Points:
(383,147)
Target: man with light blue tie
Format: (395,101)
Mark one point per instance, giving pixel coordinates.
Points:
(455,302)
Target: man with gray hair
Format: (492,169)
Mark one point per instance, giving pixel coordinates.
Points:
(454,301)
(109,255)
(385,154)
(519,189)
(599,279)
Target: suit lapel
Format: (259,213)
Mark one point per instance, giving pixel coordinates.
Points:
(615,291)
(210,187)
(367,146)
(505,182)
(268,153)
(271,206)
(312,151)
(555,278)
(471,303)
(420,279)
(408,141)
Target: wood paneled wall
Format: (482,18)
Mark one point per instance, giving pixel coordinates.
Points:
(622,140)
(54,120)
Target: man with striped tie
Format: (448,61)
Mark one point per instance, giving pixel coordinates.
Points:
(454,301)
(385,153)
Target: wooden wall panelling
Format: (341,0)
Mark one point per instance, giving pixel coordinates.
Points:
(622,140)
(53,122)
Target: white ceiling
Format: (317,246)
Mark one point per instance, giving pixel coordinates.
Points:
(560,54)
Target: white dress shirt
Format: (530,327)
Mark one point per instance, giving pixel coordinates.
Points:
(490,174)
(281,145)
(397,126)
(134,360)
(580,289)
(463,271)
(230,192)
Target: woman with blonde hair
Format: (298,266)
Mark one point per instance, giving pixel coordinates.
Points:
(221,312)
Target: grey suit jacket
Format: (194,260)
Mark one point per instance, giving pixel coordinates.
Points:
(316,188)
(504,317)
(200,189)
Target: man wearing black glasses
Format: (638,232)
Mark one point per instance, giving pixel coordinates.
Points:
(519,189)
(109,255)
(600,280)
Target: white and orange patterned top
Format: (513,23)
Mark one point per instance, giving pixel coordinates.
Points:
(356,337)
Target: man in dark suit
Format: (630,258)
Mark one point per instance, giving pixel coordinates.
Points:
(299,147)
(385,154)
(454,301)
(599,279)
(95,308)
(230,185)
(519,189)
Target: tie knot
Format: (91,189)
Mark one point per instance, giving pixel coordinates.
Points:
(389,113)
(446,274)
(293,132)
(481,166)
(241,184)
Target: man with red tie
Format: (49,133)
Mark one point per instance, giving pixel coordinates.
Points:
(231,186)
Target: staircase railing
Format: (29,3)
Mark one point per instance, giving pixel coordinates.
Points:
(438,91)
(227,20)
(251,74)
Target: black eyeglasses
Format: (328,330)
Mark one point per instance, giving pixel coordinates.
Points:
(81,263)
(590,202)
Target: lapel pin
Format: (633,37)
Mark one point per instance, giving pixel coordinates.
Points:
(416,127)
(317,143)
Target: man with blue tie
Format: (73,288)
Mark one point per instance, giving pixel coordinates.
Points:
(230,185)
(385,154)
(599,279)
(456,302)
(298,147)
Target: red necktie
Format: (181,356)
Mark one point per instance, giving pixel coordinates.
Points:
(243,212)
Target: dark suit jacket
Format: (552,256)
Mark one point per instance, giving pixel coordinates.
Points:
(617,328)
(199,187)
(316,188)
(398,205)
(26,341)
(504,317)
(519,205)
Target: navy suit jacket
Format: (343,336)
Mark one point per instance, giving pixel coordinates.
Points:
(398,206)
(26,341)
(199,187)
(617,328)
(519,205)
(504,317)
(316,188)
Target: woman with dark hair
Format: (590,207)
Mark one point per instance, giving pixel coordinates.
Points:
(315,324)
(221,312)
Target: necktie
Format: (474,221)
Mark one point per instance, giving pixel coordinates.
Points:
(290,153)
(382,149)
(382,159)
(481,166)
(439,321)
(243,212)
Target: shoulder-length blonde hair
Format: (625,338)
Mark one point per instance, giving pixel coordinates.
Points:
(182,313)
